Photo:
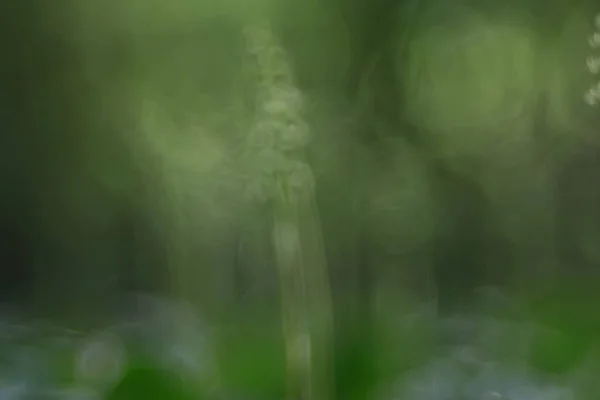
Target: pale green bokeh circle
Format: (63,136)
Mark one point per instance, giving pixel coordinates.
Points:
(469,76)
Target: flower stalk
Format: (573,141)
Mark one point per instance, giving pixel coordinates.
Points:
(281,176)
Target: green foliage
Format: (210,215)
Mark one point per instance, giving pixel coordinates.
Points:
(144,382)
(251,359)
(572,325)
(357,375)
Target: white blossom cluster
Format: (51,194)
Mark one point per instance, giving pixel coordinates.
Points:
(279,133)
(592,96)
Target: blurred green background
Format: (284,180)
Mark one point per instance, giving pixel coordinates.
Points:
(451,148)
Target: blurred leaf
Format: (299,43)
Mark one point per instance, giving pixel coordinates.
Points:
(251,360)
(145,382)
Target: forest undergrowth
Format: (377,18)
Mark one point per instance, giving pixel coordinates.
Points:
(496,350)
